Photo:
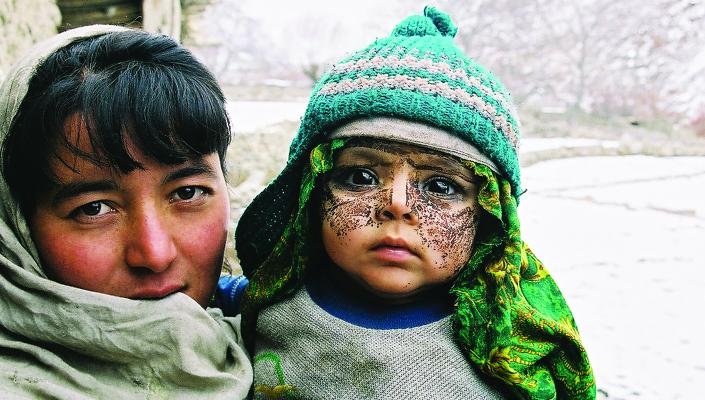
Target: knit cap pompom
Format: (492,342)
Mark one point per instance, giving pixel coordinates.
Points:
(432,23)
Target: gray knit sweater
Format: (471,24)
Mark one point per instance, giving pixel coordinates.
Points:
(304,352)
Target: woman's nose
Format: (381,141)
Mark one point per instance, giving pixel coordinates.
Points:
(150,243)
(399,202)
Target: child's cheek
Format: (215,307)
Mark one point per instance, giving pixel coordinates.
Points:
(348,212)
(448,231)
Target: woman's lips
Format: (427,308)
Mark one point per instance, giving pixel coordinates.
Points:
(157,292)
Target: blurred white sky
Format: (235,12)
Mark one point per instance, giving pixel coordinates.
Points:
(277,13)
(352,24)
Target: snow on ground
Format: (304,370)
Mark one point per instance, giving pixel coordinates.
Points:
(539,144)
(254,116)
(623,237)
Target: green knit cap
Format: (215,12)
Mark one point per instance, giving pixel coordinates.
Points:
(415,74)
(418,74)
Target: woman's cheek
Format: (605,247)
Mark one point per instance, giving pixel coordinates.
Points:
(201,243)
(87,260)
(206,240)
(204,234)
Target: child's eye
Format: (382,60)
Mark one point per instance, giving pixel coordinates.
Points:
(358,177)
(442,186)
(188,193)
(91,210)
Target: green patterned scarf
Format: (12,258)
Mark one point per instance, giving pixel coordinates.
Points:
(510,318)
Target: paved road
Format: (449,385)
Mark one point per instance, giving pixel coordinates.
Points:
(624,237)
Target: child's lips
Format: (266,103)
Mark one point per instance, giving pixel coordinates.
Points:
(393,254)
(393,250)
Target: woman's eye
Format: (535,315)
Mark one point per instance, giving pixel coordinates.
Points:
(361,177)
(188,193)
(93,209)
(442,186)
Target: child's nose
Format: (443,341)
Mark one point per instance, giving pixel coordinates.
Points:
(150,243)
(399,205)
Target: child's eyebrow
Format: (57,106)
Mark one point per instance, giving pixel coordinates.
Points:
(74,189)
(458,172)
(196,168)
(367,156)
(445,166)
(362,163)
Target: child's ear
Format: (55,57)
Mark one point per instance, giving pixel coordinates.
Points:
(315,220)
(314,200)
(487,226)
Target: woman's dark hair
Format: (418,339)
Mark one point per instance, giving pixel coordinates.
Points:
(126,86)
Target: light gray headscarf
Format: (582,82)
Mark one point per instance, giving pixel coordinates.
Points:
(58,341)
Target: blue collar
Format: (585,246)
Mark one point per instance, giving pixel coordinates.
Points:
(341,301)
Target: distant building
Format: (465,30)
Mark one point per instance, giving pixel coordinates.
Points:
(24,23)
(163,16)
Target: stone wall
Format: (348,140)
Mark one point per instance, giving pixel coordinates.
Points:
(162,16)
(23,23)
(193,24)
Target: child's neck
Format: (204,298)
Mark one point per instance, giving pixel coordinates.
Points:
(333,291)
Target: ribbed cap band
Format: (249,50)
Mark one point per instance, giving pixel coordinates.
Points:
(416,133)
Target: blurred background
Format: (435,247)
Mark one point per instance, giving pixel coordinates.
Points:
(611,96)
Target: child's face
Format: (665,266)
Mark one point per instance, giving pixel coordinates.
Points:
(144,234)
(398,219)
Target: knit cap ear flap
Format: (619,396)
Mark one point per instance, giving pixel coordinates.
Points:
(432,23)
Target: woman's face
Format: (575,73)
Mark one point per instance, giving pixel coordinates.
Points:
(141,235)
(398,219)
